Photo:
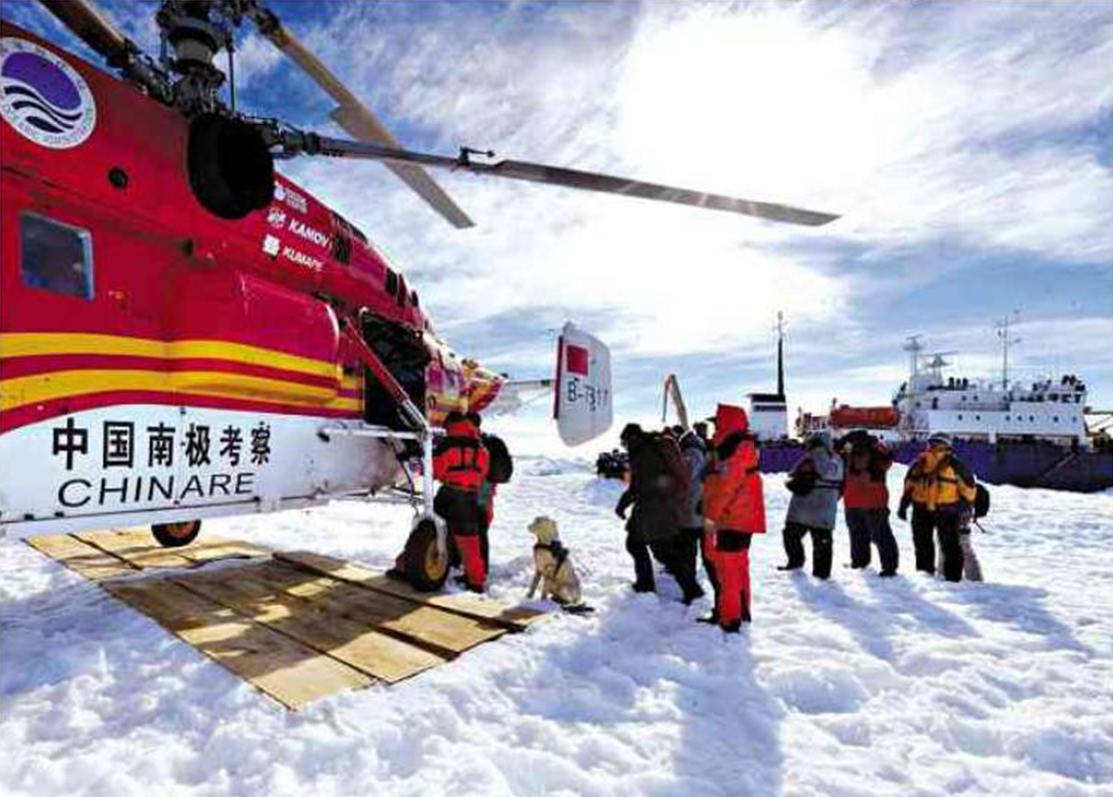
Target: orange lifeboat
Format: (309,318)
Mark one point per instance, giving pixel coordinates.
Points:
(847,417)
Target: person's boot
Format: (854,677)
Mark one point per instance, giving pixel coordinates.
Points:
(789,567)
(732,628)
(641,586)
(887,574)
(692,595)
(474,571)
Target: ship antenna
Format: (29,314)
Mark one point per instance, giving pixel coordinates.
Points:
(780,328)
(1008,339)
(913,347)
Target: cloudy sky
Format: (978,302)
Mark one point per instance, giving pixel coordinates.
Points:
(968,147)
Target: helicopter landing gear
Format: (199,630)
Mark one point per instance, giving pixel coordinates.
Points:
(175,535)
(426,557)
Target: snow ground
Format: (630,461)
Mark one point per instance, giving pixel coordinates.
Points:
(857,687)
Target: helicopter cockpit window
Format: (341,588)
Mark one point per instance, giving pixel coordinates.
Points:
(391,282)
(55,256)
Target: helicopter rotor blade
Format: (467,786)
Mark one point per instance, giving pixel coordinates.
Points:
(553,175)
(593,181)
(355,117)
(92,27)
(87,22)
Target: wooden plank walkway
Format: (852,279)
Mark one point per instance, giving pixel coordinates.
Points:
(360,644)
(298,626)
(470,605)
(290,672)
(94,564)
(137,547)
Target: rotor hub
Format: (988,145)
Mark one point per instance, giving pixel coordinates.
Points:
(194,38)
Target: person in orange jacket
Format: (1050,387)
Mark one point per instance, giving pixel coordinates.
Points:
(734,510)
(486,496)
(460,464)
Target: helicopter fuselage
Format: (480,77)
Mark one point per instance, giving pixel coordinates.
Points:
(159,363)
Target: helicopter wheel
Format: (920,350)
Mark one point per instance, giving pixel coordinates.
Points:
(175,535)
(426,567)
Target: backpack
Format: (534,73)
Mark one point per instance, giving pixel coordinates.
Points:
(501,465)
(981,501)
(672,461)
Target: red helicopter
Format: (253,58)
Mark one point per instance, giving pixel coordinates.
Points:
(184,332)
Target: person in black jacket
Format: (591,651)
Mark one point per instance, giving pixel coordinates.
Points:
(657,493)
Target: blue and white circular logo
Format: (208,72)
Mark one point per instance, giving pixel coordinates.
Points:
(43,97)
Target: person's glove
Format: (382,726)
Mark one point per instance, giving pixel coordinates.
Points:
(902,512)
(620,511)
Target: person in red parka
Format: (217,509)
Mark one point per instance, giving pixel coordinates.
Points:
(460,464)
(866,501)
(734,510)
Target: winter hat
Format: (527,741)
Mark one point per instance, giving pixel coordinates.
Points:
(819,440)
(940,440)
(544,529)
(728,420)
(630,431)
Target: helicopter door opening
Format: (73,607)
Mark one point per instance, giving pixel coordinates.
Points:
(403,352)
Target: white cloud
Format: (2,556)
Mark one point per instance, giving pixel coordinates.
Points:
(950,123)
(955,140)
(799,104)
(975,126)
(256,59)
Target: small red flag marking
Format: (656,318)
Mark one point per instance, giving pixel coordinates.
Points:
(576,359)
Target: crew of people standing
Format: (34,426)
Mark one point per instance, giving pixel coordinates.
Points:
(691,494)
(692,498)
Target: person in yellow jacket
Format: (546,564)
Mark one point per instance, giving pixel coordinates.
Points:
(938,486)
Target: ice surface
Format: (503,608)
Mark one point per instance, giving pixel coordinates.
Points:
(856,687)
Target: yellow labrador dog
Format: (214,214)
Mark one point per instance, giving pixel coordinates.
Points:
(554,571)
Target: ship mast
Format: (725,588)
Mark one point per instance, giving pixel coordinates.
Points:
(1007,339)
(780,328)
(913,346)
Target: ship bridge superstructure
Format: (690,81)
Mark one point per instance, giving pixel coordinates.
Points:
(1049,408)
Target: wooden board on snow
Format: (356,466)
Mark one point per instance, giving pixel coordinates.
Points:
(429,626)
(139,548)
(83,559)
(470,605)
(289,671)
(314,623)
(297,626)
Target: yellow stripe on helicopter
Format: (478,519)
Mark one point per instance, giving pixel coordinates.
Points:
(221,384)
(38,344)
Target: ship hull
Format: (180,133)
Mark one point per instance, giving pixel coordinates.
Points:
(1034,463)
